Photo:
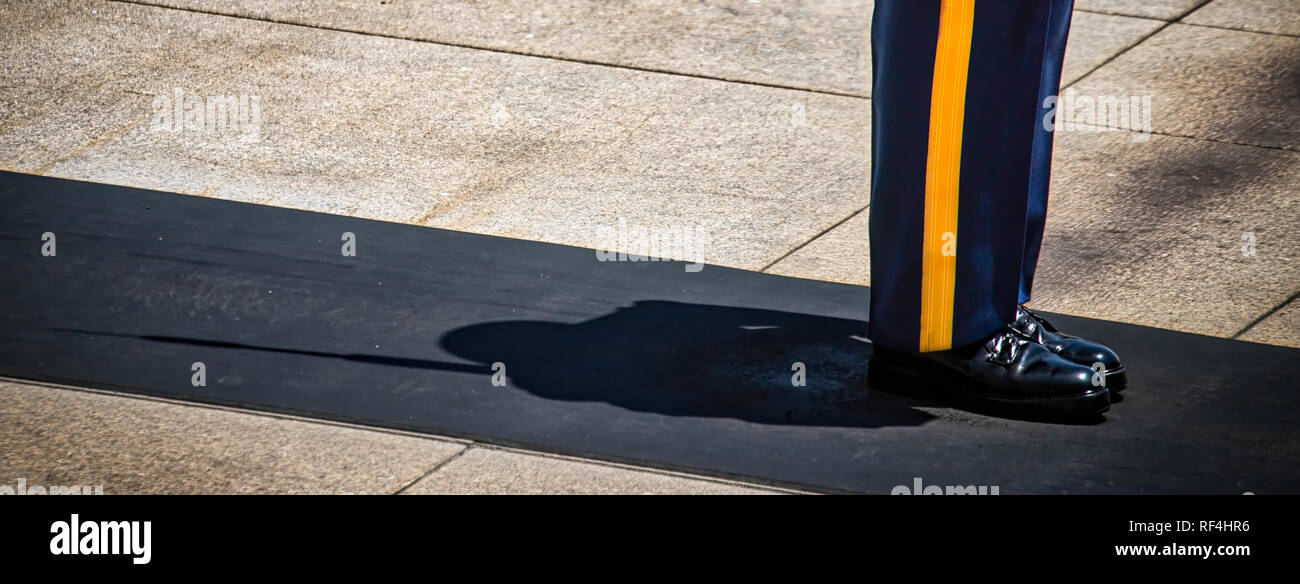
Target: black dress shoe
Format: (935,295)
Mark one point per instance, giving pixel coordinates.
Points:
(1081,351)
(1005,371)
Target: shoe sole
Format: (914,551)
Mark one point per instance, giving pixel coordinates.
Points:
(1116,379)
(952,387)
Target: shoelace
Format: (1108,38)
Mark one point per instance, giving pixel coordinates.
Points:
(1005,347)
(1026,325)
(1037,318)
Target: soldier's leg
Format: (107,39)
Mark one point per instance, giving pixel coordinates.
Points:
(956,129)
(1058,28)
(958,177)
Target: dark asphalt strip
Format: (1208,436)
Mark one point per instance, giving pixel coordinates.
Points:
(640,362)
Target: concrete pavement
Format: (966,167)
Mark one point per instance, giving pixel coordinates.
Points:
(126,444)
(552,120)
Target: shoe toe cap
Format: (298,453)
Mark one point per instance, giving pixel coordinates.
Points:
(1087,352)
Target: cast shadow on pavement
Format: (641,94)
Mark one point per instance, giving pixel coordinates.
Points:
(683,359)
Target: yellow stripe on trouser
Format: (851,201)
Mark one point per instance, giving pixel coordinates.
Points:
(943,172)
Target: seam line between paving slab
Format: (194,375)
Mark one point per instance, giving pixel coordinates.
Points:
(748,484)
(1105,13)
(435,468)
(501,50)
(467,444)
(1098,129)
(1267,314)
(1125,50)
(814,238)
(1182,20)
(1229,28)
(1175,18)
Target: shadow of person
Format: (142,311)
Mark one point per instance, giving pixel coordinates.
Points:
(680,359)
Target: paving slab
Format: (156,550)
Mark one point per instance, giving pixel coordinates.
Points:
(1228,85)
(1162,9)
(1280,328)
(813,44)
(1176,233)
(1148,233)
(485,471)
(1274,16)
(756,172)
(539,149)
(810,44)
(56,436)
(62,87)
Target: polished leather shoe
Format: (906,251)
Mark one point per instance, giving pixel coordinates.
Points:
(1081,351)
(1006,371)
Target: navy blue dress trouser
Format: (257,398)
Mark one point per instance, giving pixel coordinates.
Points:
(960,163)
